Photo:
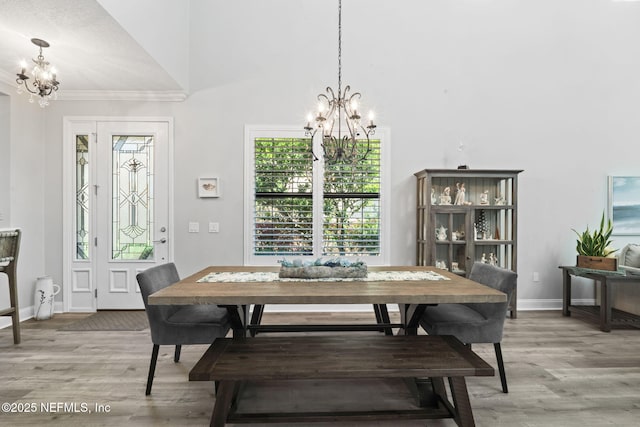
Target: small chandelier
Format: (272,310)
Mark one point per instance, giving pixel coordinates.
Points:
(44,83)
(351,142)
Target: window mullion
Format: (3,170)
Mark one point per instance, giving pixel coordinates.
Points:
(318,196)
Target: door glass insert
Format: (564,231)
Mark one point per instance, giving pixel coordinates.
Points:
(82,197)
(132,197)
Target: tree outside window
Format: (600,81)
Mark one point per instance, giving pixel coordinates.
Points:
(347,202)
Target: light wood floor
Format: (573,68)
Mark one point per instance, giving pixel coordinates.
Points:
(561,372)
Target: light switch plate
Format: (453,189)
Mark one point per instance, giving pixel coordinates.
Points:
(194,227)
(214,227)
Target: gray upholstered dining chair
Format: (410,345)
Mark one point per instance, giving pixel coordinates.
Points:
(9,249)
(478,322)
(177,324)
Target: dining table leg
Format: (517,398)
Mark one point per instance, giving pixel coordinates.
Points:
(238,317)
(421,388)
(382,317)
(256,317)
(410,315)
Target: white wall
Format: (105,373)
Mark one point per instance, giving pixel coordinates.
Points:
(26,188)
(5,157)
(547,86)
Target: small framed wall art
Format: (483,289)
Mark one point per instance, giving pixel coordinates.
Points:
(208,187)
(624,204)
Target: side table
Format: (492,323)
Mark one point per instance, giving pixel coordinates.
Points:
(609,317)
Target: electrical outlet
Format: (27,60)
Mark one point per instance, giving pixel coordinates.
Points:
(214,227)
(194,227)
(536,276)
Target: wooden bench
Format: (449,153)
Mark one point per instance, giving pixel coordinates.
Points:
(234,361)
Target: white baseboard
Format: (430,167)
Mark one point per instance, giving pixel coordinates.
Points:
(523,305)
(549,304)
(26,313)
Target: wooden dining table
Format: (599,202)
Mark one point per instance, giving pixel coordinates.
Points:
(412,288)
(412,296)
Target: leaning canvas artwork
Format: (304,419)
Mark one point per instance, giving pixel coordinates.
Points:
(624,204)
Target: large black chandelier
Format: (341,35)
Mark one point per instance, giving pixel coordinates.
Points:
(345,137)
(40,80)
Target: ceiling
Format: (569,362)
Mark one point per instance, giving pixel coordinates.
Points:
(90,50)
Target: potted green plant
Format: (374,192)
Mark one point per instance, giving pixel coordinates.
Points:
(593,247)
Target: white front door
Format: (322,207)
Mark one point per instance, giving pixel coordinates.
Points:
(121,220)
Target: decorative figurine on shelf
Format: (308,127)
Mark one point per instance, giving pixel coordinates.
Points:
(484,258)
(457,235)
(484,197)
(445,197)
(441,264)
(460,194)
(500,200)
(441,233)
(493,260)
(454,266)
(434,198)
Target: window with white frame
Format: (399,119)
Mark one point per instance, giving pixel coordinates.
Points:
(298,207)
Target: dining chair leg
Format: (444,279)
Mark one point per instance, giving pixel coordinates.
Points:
(13,300)
(176,355)
(152,368)
(503,376)
(15,323)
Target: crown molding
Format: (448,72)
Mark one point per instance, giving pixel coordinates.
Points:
(121,95)
(107,95)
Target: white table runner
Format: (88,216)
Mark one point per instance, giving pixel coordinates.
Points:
(372,276)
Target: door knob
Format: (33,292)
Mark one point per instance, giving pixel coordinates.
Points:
(163,240)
